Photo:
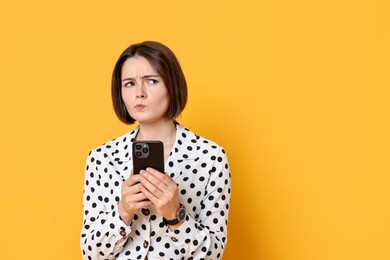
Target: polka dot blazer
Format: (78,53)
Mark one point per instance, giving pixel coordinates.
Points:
(199,167)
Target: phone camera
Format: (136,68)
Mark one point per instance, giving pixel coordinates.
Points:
(141,150)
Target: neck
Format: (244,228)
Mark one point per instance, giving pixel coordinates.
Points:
(164,131)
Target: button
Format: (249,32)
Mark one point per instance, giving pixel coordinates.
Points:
(145,211)
(146,243)
(122,233)
(174,239)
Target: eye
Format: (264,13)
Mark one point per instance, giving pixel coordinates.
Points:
(151,82)
(129,84)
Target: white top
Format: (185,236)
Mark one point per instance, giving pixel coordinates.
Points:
(199,167)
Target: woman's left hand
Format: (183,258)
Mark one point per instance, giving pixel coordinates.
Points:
(162,191)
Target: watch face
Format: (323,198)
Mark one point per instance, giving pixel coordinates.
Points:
(181,214)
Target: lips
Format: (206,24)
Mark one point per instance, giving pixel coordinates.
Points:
(139,107)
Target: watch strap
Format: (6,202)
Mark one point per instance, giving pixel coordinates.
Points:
(171,222)
(177,219)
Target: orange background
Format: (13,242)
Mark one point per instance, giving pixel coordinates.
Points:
(296,91)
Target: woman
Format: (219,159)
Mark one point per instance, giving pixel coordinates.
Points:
(179,214)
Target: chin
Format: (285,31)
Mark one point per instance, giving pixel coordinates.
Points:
(147,120)
(144,118)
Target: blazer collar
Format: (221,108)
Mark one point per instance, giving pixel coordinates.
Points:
(185,147)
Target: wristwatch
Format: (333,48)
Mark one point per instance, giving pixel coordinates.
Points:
(180,216)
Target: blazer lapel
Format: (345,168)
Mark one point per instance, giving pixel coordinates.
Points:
(123,153)
(184,152)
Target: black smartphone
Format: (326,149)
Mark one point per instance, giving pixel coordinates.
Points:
(148,154)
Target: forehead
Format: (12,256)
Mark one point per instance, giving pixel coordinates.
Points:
(137,66)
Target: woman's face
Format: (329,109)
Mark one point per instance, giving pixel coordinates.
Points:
(143,91)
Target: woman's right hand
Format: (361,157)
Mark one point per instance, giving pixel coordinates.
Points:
(132,199)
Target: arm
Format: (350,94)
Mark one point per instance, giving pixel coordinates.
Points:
(206,237)
(103,233)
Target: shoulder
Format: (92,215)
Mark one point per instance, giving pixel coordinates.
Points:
(202,145)
(117,149)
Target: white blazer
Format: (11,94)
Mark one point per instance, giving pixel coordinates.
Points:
(199,167)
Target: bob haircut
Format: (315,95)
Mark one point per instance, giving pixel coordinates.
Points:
(165,63)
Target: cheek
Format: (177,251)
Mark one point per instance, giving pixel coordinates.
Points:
(165,95)
(163,103)
(166,101)
(126,97)
(160,96)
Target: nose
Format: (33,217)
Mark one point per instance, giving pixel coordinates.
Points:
(141,91)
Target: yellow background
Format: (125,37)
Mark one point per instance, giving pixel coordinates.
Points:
(296,91)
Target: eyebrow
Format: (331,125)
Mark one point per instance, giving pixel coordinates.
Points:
(143,77)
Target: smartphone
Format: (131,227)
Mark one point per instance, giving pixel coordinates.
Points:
(148,154)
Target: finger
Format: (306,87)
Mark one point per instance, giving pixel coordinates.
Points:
(155,177)
(132,199)
(149,195)
(133,179)
(143,204)
(135,189)
(151,189)
(153,185)
(163,177)
(136,206)
(166,184)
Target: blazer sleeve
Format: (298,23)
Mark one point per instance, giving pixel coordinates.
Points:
(206,237)
(103,234)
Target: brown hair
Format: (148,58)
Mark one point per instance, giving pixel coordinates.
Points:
(165,63)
